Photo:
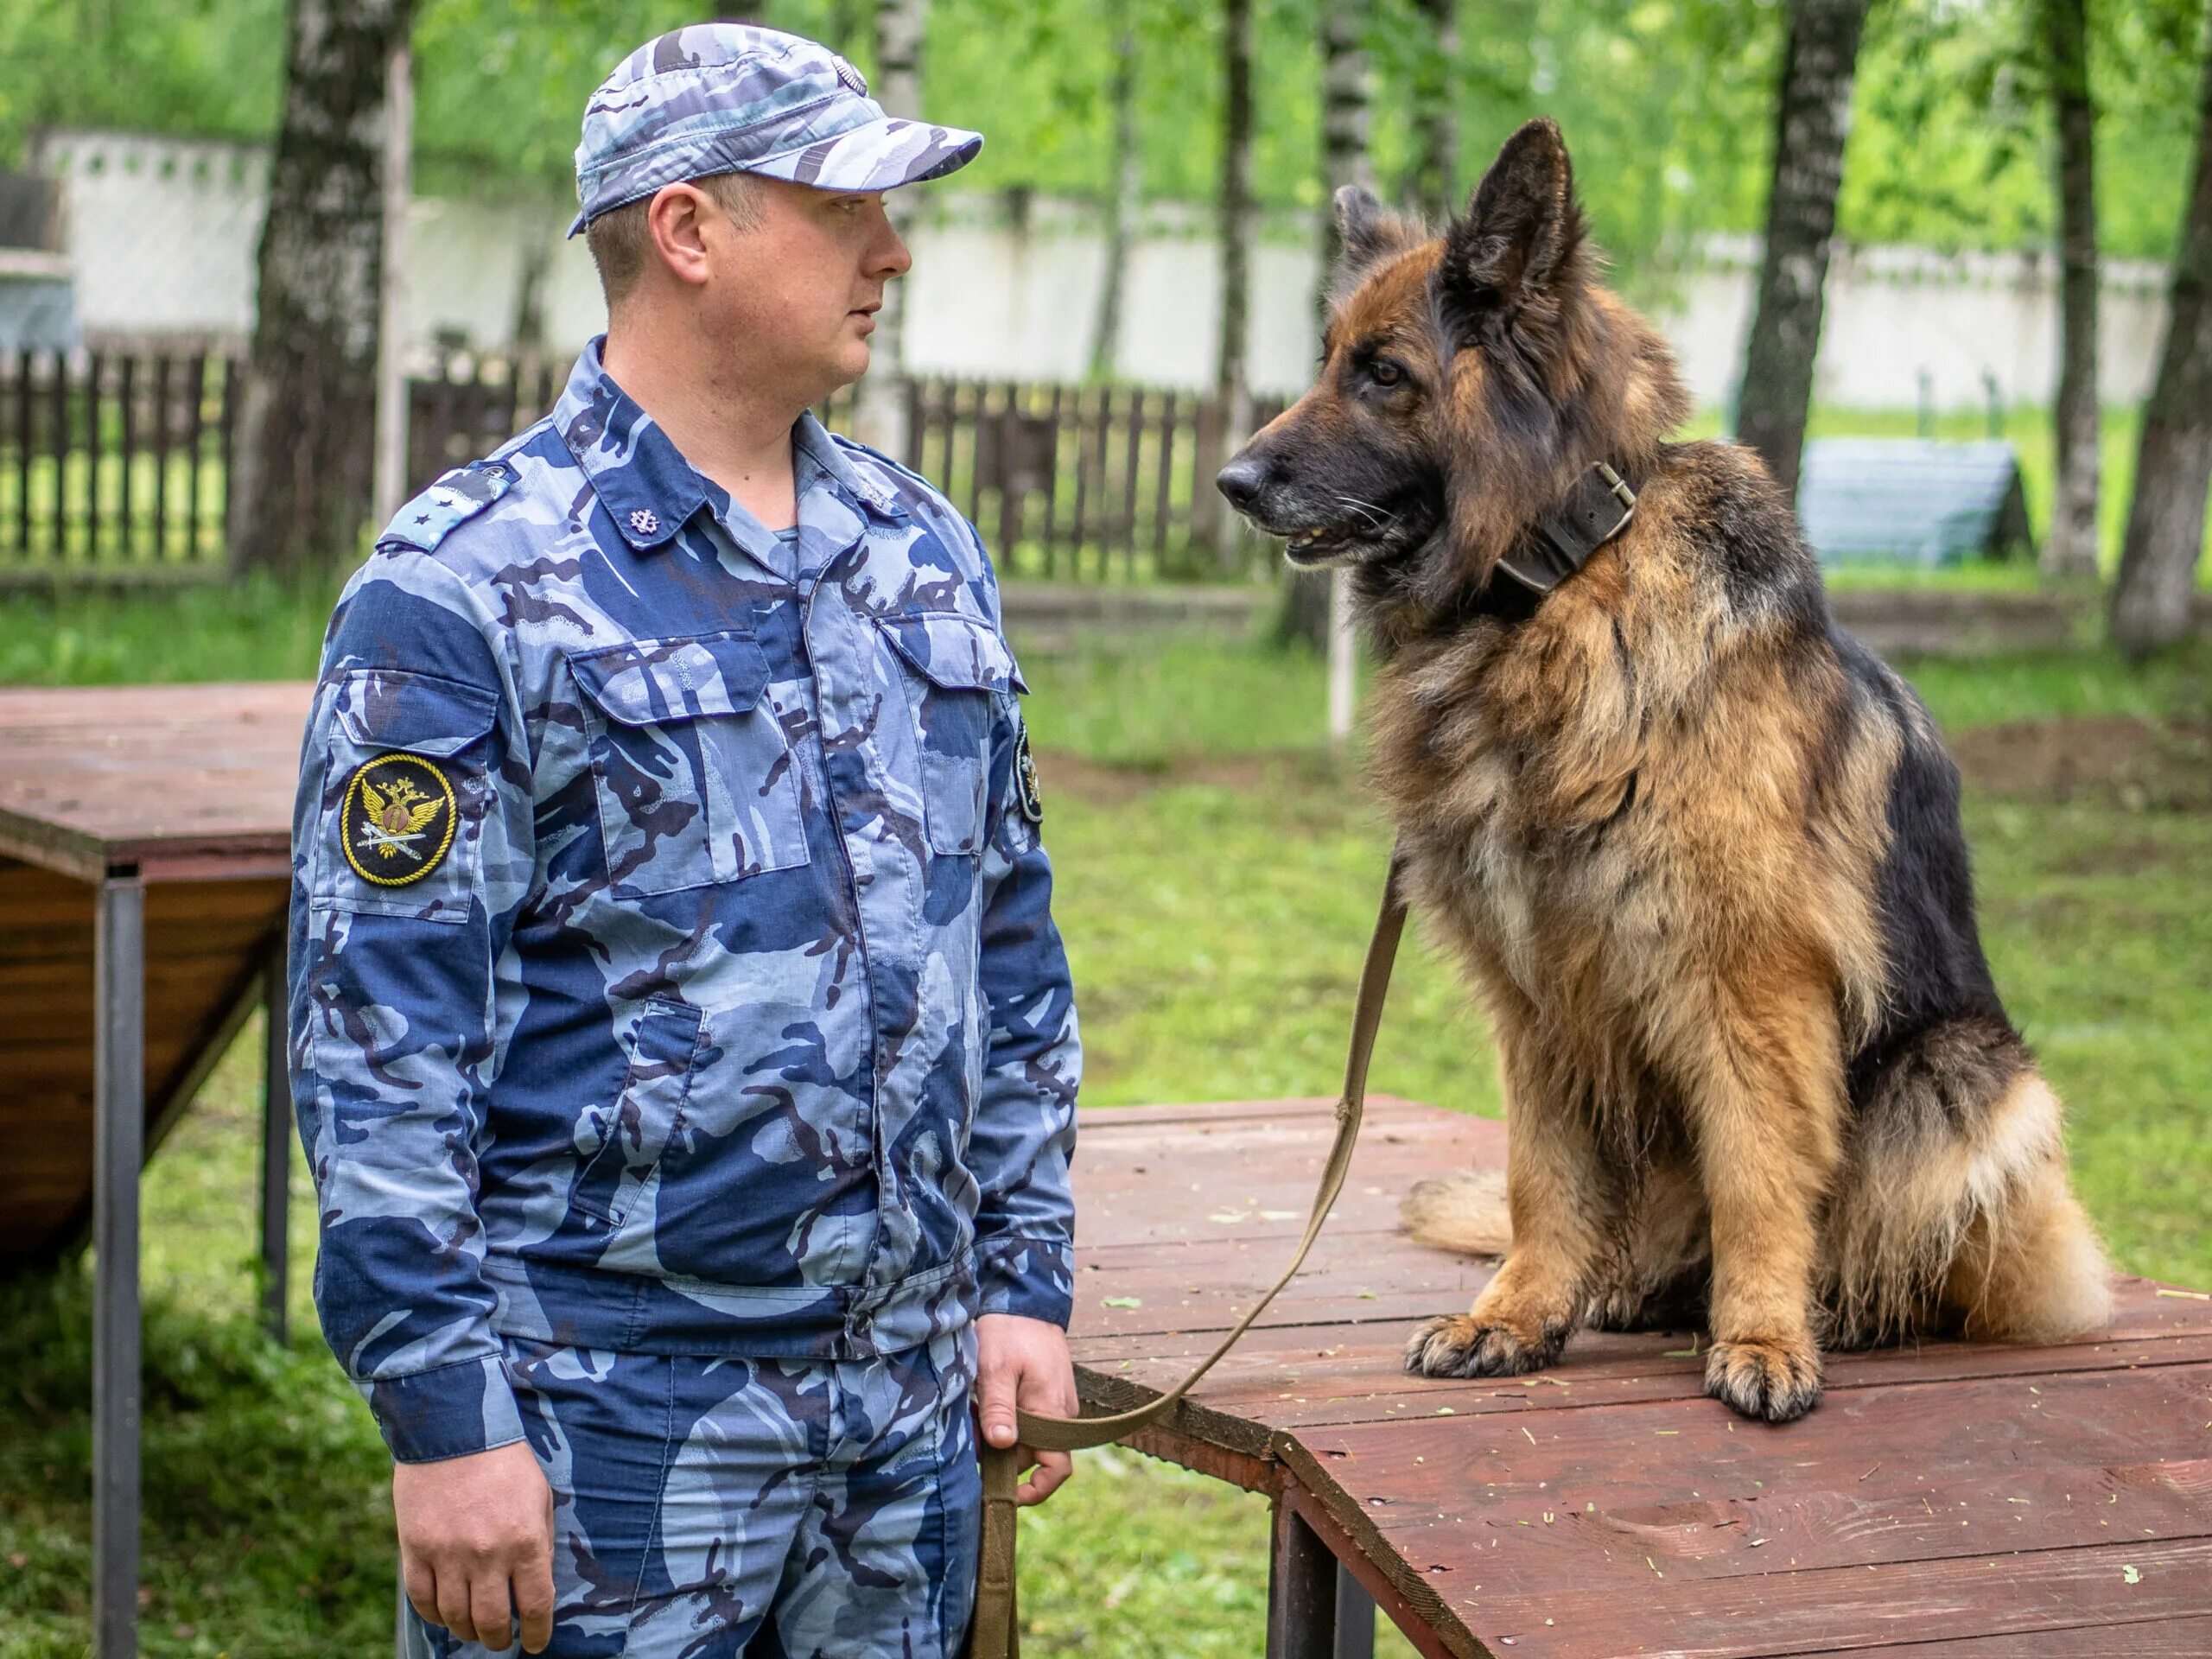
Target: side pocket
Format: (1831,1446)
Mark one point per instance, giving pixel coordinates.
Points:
(632,1135)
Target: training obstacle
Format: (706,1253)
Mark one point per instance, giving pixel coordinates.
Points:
(1961,1500)
(145,868)
(1952,1501)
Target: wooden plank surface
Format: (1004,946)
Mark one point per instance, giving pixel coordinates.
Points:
(1970,1498)
(187,780)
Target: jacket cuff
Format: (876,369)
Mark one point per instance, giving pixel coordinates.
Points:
(1033,1277)
(450,1412)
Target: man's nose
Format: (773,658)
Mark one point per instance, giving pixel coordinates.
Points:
(892,258)
(1241,480)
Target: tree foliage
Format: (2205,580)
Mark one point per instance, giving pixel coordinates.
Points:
(1666,103)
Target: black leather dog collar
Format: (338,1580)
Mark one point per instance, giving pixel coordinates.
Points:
(1560,543)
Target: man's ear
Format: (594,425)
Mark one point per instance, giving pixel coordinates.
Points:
(674,221)
(1367,233)
(1513,260)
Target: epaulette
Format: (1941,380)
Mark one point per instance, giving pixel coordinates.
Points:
(448,504)
(881,459)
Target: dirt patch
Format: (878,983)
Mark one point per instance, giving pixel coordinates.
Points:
(2135,763)
(2131,762)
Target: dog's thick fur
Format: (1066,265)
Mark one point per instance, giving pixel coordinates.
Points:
(1699,848)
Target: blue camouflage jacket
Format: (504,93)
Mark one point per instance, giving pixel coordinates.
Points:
(672,961)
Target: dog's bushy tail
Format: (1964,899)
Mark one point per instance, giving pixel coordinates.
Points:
(1464,1212)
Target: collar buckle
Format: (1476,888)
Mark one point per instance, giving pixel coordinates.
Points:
(1562,540)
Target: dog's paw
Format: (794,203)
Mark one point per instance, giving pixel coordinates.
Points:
(1778,1381)
(1459,1344)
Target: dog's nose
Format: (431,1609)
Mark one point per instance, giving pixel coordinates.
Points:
(1240,481)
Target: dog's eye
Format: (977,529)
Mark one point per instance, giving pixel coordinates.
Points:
(1385,372)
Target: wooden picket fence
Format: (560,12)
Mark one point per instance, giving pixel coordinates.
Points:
(116,466)
(115,462)
(1079,483)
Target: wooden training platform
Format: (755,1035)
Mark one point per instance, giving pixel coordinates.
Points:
(145,866)
(1949,1502)
(187,791)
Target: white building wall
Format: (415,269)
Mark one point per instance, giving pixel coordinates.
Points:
(161,235)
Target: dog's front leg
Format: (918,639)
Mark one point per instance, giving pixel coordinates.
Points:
(1765,1102)
(1558,1201)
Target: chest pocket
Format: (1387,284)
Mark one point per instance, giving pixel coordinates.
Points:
(695,781)
(958,669)
(404,795)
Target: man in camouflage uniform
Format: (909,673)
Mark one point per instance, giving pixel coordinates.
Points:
(683,1046)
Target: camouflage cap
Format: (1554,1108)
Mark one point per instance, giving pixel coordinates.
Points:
(730,97)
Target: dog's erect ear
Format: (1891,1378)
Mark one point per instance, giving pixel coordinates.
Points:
(1367,233)
(1515,256)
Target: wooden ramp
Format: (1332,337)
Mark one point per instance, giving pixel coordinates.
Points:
(1957,1500)
(188,790)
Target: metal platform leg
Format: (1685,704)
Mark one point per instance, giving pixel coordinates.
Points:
(1316,1609)
(119,1146)
(1314,1606)
(1355,1618)
(275,1146)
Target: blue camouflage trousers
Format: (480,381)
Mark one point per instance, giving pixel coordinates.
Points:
(714,1507)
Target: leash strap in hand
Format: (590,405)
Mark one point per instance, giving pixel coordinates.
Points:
(996,1632)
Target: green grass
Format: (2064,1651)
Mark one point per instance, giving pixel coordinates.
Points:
(247,628)
(1217,876)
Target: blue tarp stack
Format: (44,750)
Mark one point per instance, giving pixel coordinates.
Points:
(1911,500)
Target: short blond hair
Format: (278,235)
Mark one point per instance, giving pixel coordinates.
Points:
(620,240)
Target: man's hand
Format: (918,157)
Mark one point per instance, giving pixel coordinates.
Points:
(1025,1363)
(475,1532)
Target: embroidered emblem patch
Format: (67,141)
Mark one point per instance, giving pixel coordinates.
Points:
(1024,777)
(397,822)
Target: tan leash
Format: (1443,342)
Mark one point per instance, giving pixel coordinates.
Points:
(996,1631)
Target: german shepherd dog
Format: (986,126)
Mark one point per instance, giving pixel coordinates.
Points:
(1699,848)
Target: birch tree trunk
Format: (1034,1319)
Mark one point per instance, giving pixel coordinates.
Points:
(1232,391)
(880,415)
(1432,189)
(2173,460)
(1313,601)
(1812,120)
(1347,104)
(1123,196)
(299,490)
(2071,550)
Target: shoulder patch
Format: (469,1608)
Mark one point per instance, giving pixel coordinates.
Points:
(447,504)
(396,823)
(1024,777)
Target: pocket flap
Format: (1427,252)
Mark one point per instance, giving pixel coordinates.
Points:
(955,651)
(650,682)
(395,709)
